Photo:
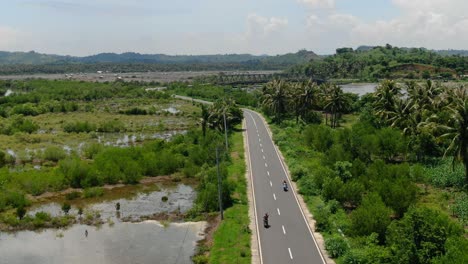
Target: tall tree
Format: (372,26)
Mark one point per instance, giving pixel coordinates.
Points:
(336,103)
(276,98)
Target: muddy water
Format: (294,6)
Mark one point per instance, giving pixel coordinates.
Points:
(146,242)
(119,242)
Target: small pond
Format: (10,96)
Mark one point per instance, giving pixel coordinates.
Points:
(118,242)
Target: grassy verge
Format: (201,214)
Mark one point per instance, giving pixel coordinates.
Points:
(231,241)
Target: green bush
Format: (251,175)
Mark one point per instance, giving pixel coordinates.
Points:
(72,195)
(79,127)
(371,217)
(336,246)
(54,153)
(444,174)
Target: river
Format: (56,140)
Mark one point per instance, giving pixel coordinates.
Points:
(359,88)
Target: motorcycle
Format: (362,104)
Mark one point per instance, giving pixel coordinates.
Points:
(285,187)
(265,221)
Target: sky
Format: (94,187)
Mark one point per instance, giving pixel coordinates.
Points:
(86,27)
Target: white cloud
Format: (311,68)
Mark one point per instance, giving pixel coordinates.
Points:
(437,24)
(318,3)
(259,26)
(9,37)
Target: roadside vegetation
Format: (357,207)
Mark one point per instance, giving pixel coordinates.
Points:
(388,187)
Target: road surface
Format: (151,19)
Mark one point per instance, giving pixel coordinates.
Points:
(289,238)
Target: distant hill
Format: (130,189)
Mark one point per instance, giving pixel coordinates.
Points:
(34,58)
(449,52)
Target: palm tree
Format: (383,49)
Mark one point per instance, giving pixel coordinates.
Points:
(455,128)
(224,108)
(337,103)
(385,96)
(308,97)
(276,98)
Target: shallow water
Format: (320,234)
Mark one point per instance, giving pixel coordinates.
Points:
(359,88)
(146,242)
(180,198)
(123,242)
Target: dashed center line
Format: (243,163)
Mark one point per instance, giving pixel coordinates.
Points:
(259,140)
(274,196)
(262,150)
(284,230)
(264,157)
(268,173)
(290,254)
(266,165)
(261,145)
(279,213)
(271,184)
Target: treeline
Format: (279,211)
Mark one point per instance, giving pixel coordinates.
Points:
(213,92)
(368,182)
(384,62)
(306,101)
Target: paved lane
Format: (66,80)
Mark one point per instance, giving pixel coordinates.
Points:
(289,238)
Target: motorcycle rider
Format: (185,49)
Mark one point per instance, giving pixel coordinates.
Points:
(285,185)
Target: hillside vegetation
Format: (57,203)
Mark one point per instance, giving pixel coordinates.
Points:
(371,63)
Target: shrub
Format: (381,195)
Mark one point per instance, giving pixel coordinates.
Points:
(79,127)
(66,208)
(371,217)
(336,246)
(54,153)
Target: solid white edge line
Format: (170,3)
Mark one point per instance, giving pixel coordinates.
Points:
(274,196)
(277,209)
(284,230)
(294,193)
(290,254)
(253,190)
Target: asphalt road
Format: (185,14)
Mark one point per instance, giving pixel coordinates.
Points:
(289,238)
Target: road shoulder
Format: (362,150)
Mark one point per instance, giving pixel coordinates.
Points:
(253,223)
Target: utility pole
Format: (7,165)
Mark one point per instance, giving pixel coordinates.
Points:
(225,130)
(219,185)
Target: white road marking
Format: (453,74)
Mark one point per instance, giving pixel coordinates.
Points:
(259,140)
(266,165)
(271,184)
(290,254)
(263,157)
(268,173)
(261,145)
(262,150)
(284,230)
(274,196)
(279,213)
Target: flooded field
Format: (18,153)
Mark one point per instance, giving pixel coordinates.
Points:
(118,240)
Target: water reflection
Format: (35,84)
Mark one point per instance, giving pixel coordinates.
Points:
(119,242)
(146,242)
